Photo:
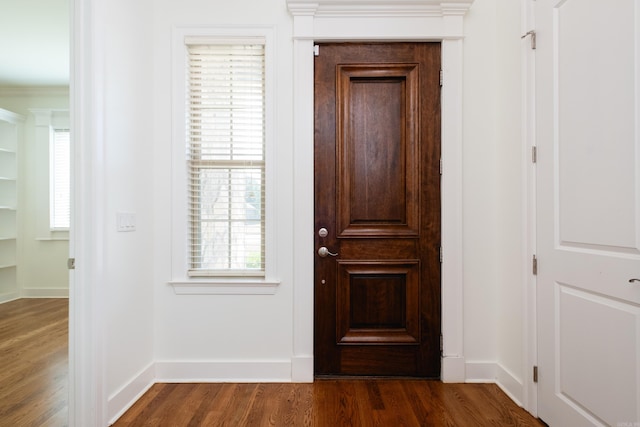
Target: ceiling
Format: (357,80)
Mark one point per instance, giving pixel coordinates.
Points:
(34,43)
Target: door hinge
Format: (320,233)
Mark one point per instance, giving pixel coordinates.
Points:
(535,374)
(71,264)
(534,265)
(441,77)
(531,33)
(441,346)
(441,255)
(440,165)
(534,154)
(316,50)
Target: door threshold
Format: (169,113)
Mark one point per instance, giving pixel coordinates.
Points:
(322,377)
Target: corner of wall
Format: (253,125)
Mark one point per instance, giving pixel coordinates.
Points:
(510,384)
(495,373)
(120,401)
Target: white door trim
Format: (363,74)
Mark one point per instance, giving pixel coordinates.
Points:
(529,219)
(87,394)
(411,20)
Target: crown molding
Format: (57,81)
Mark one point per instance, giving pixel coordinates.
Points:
(378,8)
(325,20)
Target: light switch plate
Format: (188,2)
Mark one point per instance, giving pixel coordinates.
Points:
(126,221)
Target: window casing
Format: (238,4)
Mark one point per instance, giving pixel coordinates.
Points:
(225,158)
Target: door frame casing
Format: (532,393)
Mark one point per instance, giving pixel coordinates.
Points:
(529,204)
(319,21)
(87,385)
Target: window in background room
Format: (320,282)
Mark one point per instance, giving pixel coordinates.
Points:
(60,180)
(226,158)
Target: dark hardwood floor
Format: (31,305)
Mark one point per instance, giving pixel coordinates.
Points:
(327,403)
(33,363)
(33,390)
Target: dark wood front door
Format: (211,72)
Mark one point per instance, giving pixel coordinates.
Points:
(377,195)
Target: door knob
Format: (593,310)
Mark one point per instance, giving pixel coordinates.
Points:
(634,280)
(323,252)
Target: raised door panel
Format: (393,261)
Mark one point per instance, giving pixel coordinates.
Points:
(377,146)
(596,119)
(377,302)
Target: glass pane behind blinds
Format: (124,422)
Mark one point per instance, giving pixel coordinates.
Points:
(225,158)
(60,200)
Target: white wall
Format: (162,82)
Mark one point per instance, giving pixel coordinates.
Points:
(42,262)
(493,228)
(245,337)
(219,328)
(226,335)
(124,88)
(509,144)
(480,192)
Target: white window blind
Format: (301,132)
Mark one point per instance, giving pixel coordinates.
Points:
(60,180)
(226,159)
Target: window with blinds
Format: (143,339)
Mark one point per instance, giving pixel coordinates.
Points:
(60,180)
(226,159)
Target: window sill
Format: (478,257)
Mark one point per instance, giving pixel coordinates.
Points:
(225,287)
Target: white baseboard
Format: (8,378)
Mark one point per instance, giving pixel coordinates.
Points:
(510,384)
(9,297)
(299,369)
(120,401)
(453,369)
(224,371)
(491,372)
(44,293)
(480,372)
(189,372)
(302,369)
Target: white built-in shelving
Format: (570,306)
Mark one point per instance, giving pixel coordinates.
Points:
(10,133)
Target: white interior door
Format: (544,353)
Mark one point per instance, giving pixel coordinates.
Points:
(588,192)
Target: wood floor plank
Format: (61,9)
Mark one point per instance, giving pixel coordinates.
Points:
(34,388)
(297,408)
(330,403)
(397,409)
(34,360)
(204,395)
